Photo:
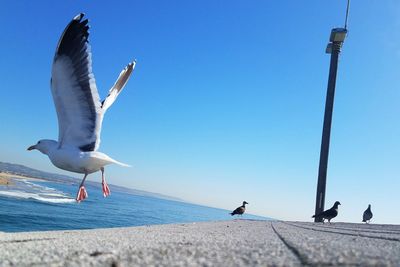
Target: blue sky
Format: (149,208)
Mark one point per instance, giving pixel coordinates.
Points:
(226,102)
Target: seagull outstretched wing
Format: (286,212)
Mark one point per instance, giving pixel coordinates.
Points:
(79,110)
(118,86)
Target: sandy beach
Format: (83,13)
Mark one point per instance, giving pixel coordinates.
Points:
(6,178)
(224,243)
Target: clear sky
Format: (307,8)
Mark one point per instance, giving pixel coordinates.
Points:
(226,102)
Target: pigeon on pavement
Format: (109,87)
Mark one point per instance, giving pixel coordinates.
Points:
(328,214)
(367,216)
(240,210)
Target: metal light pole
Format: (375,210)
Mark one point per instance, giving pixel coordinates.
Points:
(336,40)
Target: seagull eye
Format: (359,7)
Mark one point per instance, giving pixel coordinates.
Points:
(39,142)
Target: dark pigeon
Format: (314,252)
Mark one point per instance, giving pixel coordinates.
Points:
(240,210)
(367,216)
(328,214)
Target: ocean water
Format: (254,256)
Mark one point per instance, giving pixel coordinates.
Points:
(40,206)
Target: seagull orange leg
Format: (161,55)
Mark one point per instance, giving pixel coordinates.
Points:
(82,194)
(106,189)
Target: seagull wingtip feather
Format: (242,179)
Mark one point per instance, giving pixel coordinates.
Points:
(79,16)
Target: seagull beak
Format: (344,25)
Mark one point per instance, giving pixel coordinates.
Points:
(31,148)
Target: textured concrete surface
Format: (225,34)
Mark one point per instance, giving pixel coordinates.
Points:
(227,243)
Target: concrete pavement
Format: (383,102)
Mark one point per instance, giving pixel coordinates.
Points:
(224,243)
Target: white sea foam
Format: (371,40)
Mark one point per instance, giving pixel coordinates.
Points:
(53,194)
(28,190)
(42,187)
(40,197)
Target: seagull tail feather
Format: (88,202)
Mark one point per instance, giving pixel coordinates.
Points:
(122,164)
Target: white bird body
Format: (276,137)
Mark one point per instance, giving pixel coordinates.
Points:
(74,160)
(79,109)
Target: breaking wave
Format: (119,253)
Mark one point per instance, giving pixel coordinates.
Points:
(24,189)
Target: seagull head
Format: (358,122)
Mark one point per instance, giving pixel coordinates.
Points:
(337,203)
(43,146)
(244,203)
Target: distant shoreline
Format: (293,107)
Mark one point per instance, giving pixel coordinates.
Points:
(11,170)
(6,178)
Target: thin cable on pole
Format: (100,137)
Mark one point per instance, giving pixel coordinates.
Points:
(347,14)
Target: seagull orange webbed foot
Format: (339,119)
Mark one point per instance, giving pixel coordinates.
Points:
(106,189)
(82,194)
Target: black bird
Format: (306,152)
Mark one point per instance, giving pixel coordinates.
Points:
(240,210)
(328,214)
(367,216)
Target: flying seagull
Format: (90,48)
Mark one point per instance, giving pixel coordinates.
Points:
(79,109)
(329,214)
(240,210)
(367,216)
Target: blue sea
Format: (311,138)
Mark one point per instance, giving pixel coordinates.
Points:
(31,205)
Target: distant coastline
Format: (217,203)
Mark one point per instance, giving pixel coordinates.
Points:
(8,171)
(6,178)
